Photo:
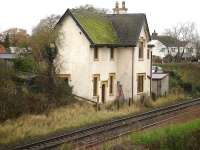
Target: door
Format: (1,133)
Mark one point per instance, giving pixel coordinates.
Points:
(103,93)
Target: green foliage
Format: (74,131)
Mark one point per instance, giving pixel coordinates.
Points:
(185,76)
(175,137)
(7,41)
(21,95)
(25,64)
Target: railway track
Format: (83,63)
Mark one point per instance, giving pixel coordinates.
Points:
(90,136)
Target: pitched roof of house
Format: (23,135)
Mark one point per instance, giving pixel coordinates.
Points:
(169,41)
(110,30)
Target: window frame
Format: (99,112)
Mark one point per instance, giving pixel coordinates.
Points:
(95,90)
(141,47)
(111,92)
(148,53)
(65,77)
(112,53)
(140,89)
(96,54)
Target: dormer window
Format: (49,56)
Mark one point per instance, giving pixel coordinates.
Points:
(141,50)
(112,54)
(96,53)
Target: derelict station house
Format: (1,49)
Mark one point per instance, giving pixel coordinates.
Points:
(105,55)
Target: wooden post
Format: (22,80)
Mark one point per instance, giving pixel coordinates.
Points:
(97,109)
(129,102)
(118,104)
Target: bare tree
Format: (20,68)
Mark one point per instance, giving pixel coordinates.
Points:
(43,40)
(43,34)
(183,33)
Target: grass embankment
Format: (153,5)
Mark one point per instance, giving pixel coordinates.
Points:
(177,136)
(74,115)
(184,77)
(68,117)
(173,137)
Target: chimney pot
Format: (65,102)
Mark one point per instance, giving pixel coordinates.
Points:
(154,35)
(116,4)
(123,5)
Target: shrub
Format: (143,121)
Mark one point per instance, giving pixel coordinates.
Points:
(25,64)
(22,96)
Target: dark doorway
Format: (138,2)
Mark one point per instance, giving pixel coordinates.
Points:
(103,93)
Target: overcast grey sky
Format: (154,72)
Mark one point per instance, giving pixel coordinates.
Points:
(161,14)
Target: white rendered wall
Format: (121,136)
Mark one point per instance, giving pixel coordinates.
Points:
(141,66)
(73,57)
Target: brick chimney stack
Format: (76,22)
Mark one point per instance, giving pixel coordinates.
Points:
(118,10)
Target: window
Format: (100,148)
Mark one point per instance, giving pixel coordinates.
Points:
(141,50)
(111,85)
(96,53)
(162,50)
(148,53)
(95,85)
(140,83)
(112,53)
(65,77)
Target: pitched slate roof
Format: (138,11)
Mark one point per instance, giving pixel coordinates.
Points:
(169,41)
(128,26)
(110,30)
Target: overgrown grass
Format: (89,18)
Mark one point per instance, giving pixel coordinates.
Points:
(172,137)
(170,99)
(67,117)
(178,136)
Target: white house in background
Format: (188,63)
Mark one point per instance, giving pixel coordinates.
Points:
(164,45)
(105,56)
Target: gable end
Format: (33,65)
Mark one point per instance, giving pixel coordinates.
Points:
(68,12)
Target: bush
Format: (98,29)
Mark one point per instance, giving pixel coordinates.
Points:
(25,64)
(22,96)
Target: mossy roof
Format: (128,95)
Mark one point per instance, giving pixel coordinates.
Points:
(98,27)
(115,30)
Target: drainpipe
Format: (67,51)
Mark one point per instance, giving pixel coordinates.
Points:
(132,68)
(151,76)
(150,46)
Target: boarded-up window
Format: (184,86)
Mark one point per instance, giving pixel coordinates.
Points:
(112,53)
(140,83)
(95,85)
(96,53)
(141,50)
(111,85)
